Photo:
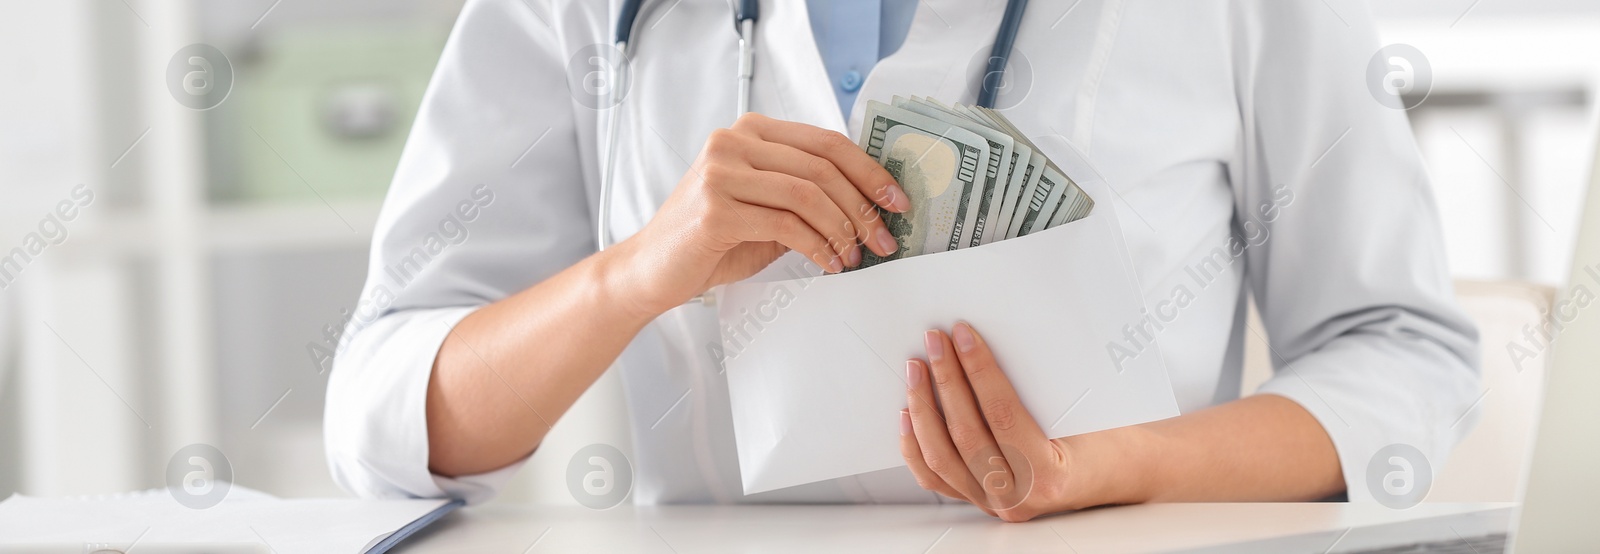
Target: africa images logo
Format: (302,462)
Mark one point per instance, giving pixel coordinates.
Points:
(599,476)
(1399,476)
(1399,76)
(598,76)
(199,76)
(199,476)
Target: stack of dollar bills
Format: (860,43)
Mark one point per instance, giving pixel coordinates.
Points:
(973,178)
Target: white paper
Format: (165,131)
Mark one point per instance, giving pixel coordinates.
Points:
(244,516)
(816,366)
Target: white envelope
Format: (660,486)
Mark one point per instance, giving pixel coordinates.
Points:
(816,365)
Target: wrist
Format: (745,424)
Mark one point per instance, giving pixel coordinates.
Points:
(1112,467)
(621,277)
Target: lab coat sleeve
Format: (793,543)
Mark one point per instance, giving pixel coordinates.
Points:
(1343,249)
(488,199)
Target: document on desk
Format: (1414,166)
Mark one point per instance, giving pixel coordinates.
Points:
(156,522)
(816,364)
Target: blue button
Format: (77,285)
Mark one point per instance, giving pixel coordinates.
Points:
(850,81)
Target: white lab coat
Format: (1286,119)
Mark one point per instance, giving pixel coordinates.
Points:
(1207,117)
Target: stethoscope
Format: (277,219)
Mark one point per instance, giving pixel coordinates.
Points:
(745,14)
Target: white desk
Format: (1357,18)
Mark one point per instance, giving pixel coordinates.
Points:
(910,529)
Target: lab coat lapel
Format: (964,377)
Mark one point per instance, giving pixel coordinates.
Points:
(941,56)
(790,81)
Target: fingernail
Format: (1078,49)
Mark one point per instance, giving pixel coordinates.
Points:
(913,374)
(853,257)
(905,422)
(965,341)
(898,201)
(934,344)
(884,196)
(886,241)
(834,264)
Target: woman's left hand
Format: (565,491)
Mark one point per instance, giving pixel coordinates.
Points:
(967,436)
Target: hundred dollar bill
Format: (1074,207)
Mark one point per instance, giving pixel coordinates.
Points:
(1021,170)
(972,177)
(1074,206)
(1052,184)
(938,164)
(983,217)
(1081,202)
(1013,206)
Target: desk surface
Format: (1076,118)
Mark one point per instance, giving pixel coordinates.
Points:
(911,529)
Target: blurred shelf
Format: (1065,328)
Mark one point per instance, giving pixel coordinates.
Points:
(237,227)
(1500,54)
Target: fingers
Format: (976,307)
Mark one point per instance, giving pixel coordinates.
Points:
(937,453)
(1008,420)
(864,173)
(969,432)
(762,224)
(781,191)
(912,452)
(868,226)
(986,431)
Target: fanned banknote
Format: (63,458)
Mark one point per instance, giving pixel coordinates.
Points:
(972,177)
(939,165)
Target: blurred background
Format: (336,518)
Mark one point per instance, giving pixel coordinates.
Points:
(191,296)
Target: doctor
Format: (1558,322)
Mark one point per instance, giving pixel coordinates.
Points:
(488,309)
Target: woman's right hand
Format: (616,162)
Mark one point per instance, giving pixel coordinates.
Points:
(757,190)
